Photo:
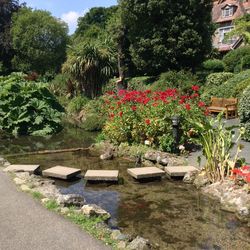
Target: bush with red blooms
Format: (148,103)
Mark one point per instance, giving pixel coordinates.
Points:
(139,116)
(242,173)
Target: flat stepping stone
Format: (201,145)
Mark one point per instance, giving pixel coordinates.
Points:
(101,175)
(61,172)
(145,172)
(31,169)
(179,171)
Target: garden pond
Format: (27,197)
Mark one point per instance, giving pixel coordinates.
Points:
(171,214)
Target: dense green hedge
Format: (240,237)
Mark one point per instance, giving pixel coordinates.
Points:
(28,107)
(244,112)
(237,60)
(213,65)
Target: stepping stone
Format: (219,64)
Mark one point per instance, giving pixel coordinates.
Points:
(145,172)
(61,172)
(31,169)
(179,171)
(101,175)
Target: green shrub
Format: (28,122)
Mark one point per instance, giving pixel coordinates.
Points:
(213,65)
(76,104)
(239,88)
(182,80)
(234,59)
(28,107)
(216,79)
(59,85)
(226,89)
(244,112)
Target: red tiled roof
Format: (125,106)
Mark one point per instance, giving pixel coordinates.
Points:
(241,9)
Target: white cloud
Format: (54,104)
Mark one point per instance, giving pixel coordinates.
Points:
(71,18)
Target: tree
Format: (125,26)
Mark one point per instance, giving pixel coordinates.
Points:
(167,34)
(39,41)
(91,65)
(241,29)
(95,18)
(7,8)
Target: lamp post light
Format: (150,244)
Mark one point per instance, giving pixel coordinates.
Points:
(176,132)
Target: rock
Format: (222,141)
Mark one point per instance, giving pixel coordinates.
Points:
(70,200)
(45,200)
(19,181)
(64,210)
(94,210)
(139,243)
(48,190)
(163,161)
(25,188)
(190,176)
(201,180)
(117,235)
(121,245)
(151,156)
(109,155)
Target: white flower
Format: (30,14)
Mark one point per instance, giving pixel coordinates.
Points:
(147,142)
(181,147)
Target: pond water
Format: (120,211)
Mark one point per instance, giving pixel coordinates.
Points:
(173,215)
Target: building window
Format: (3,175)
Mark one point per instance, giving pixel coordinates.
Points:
(228,11)
(222,33)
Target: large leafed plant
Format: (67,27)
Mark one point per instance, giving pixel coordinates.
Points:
(28,108)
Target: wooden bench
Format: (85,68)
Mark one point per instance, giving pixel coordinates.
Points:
(225,105)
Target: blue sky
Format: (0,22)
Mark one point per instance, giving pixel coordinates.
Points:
(68,10)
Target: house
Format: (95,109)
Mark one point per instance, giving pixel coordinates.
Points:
(223,14)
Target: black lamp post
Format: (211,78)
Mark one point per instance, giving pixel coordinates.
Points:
(176,132)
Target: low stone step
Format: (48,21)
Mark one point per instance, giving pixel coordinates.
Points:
(61,172)
(32,169)
(179,171)
(101,175)
(145,172)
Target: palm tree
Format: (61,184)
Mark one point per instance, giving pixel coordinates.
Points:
(91,65)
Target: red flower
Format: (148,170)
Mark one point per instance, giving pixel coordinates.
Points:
(147,121)
(201,104)
(195,88)
(187,106)
(134,108)
(112,115)
(120,113)
(246,168)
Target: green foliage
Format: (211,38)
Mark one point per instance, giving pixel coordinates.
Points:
(216,79)
(28,107)
(37,195)
(244,112)
(226,89)
(76,104)
(95,19)
(216,141)
(39,41)
(167,34)
(234,61)
(59,85)
(240,87)
(52,205)
(213,65)
(182,80)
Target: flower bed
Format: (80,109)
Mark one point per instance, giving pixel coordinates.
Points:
(146,116)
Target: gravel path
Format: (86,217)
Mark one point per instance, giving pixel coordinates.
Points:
(26,225)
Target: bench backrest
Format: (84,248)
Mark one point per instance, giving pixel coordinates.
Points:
(221,102)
